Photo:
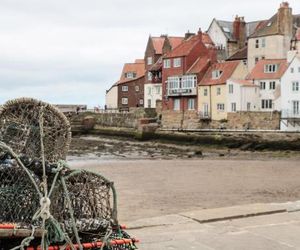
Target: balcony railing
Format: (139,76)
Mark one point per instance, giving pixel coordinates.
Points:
(204,115)
(182,92)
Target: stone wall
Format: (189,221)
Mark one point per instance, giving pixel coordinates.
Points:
(254,120)
(239,120)
(122,120)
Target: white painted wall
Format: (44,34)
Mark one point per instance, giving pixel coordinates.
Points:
(242,94)
(216,34)
(152,93)
(288,95)
(111,98)
(267,94)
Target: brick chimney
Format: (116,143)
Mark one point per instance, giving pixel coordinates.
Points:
(200,34)
(188,35)
(239,31)
(285,19)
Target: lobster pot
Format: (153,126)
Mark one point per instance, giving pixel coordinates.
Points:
(19,199)
(89,197)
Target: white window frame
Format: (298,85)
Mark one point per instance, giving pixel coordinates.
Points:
(189,81)
(124,88)
(262,85)
(221,107)
(191,104)
(266,104)
(257,43)
(137,88)
(157,90)
(272,85)
(292,70)
(216,74)
(233,107)
(296,107)
(218,91)
(248,106)
(176,104)
(230,86)
(141,101)
(149,90)
(295,86)
(271,68)
(263,42)
(173,82)
(129,75)
(167,63)
(149,76)
(205,92)
(177,62)
(124,100)
(149,60)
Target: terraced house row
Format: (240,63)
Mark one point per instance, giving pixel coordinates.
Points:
(235,75)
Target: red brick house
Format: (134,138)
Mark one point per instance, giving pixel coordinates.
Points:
(131,85)
(156,47)
(183,69)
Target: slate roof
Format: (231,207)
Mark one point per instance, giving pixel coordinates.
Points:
(227,69)
(258,71)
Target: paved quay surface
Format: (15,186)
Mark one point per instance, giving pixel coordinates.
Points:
(255,226)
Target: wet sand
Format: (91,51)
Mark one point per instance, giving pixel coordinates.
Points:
(148,188)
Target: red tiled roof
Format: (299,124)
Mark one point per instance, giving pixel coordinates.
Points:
(138,67)
(175,41)
(259,70)
(199,65)
(247,83)
(206,39)
(227,69)
(184,48)
(158,43)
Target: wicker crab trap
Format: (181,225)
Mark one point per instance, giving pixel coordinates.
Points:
(43,203)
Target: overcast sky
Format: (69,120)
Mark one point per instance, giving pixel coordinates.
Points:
(71,51)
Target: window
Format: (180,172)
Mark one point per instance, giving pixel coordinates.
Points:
(262,85)
(124,100)
(257,43)
(205,92)
(124,88)
(295,86)
(263,42)
(230,88)
(157,88)
(296,108)
(149,103)
(221,107)
(141,101)
(271,68)
(292,70)
(191,104)
(149,90)
(218,91)
(173,82)
(137,88)
(299,69)
(248,106)
(233,107)
(272,85)
(130,75)
(205,110)
(149,76)
(189,81)
(176,104)
(216,74)
(266,104)
(177,62)
(167,63)
(149,60)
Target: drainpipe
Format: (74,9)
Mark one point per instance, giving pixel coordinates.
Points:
(210,102)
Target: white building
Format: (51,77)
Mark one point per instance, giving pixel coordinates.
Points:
(111,97)
(242,95)
(152,93)
(267,74)
(290,96)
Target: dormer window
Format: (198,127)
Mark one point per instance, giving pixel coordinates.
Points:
(271,68)
(216,74)
(130,75)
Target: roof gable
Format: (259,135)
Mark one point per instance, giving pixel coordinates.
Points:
(258,71)
(158,43)
(227,69)
(138,68)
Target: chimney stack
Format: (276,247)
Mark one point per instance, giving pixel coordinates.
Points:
(239,31)
(188,35)
(285,19)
